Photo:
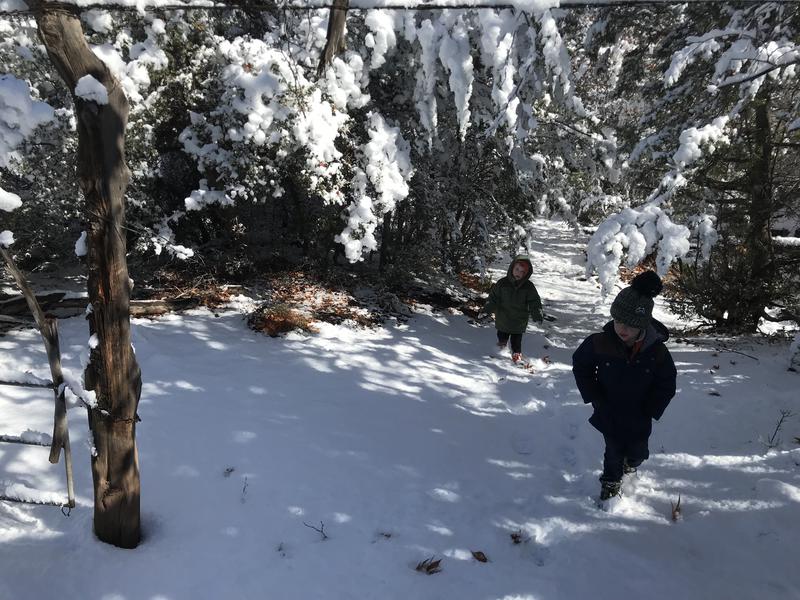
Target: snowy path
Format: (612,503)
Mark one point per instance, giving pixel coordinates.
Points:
(408,442)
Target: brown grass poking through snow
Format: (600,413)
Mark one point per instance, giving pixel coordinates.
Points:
(278,319)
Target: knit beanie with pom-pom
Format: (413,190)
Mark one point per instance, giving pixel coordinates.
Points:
(634,305)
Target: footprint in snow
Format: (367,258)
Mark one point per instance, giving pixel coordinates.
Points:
(538,553)
(568,456)
(572,431)
(522,443)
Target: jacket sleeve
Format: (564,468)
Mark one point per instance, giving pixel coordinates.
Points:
(584,368)
(663,387)
(535,304)
(494,299)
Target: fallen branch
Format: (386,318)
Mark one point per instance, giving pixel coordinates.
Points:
(12,308)
(47,385)
(724,349)
(320,529)
(773,439)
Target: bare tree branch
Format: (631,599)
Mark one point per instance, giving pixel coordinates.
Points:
(744,79)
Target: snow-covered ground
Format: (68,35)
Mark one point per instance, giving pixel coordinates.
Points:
(408,442)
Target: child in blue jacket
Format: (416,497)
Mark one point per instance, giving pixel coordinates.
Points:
(627,374)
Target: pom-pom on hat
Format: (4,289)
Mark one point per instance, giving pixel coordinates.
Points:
(634,305)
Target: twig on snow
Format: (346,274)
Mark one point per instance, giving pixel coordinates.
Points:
(320,529)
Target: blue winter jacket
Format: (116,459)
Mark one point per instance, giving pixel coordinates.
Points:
(626,392)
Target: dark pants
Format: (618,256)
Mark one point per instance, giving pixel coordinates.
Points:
(516,340)
(619,452)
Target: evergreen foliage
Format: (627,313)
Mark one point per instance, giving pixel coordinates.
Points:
(436,137)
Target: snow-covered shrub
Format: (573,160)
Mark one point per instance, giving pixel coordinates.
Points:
(27,126)
(436,130)
(277,140)
(43,175)
(481,82)
(270,153)
(44,169)
(701,111)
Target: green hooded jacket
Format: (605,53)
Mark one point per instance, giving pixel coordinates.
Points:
(513,302)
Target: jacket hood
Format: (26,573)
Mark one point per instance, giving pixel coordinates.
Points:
(656,332)
(523,258)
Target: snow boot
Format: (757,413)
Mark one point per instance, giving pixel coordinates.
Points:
(609,489)
(516,357)
(627,469)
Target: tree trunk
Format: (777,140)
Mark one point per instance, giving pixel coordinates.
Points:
(758,244)
(386,247)
(335,42)
(113,372)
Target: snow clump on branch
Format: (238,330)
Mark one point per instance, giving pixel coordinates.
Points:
(497,40)
(388,168)
(97,20)
(632,235)
(19,117)
(454,52)
(81,247)
(134,75)
(91,90)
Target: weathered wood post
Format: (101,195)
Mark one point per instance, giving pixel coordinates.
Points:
(113,372)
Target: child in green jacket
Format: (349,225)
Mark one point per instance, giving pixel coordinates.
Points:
(513,300)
